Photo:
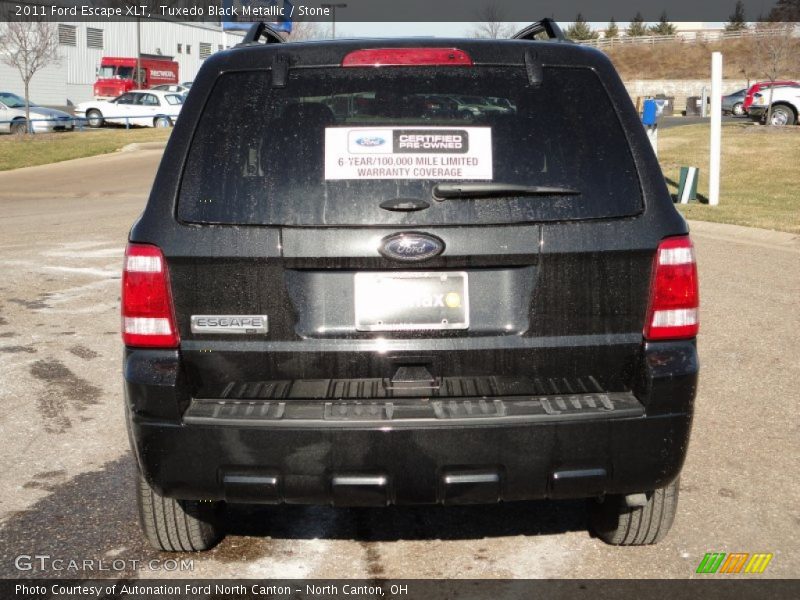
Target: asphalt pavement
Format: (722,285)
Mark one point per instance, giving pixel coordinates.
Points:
(66,487)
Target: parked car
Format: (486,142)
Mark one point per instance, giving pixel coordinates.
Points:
(733,103)
(759,87)
(785,105)
(477,106)
(43,120)
(187,84)
(145,108)
(178,89)
(438,106)
(504,103)
(361,309)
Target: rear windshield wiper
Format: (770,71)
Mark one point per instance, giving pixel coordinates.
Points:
(445,191)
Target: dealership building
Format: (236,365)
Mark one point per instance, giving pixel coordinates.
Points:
(82,45)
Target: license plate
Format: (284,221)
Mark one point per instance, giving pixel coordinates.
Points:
(411,301)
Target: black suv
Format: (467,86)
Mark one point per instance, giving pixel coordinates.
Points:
(335,296)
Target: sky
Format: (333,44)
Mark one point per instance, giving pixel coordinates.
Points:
(403,29)
(353,29)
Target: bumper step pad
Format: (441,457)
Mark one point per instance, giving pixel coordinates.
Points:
(377,388)
(415,413)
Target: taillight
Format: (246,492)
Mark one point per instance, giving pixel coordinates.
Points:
(400,57)
(674,296)
(148,318)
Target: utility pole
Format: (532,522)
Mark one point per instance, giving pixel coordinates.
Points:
(138,77)
(333,8)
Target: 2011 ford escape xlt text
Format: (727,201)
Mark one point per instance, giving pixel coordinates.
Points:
(347,289)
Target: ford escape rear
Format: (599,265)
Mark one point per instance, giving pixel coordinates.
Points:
(338,294)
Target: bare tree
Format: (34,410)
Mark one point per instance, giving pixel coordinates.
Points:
(774,55)
(492,24)
(28,46)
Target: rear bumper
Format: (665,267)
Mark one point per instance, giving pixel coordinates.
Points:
(505,449)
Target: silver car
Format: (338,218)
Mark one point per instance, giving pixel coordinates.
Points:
(734,103)
(43,120)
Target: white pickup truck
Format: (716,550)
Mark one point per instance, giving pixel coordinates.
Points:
(785,105)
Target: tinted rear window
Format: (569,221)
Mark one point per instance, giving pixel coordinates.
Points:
(259,153)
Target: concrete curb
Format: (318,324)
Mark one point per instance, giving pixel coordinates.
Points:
(752,236)
(143,146)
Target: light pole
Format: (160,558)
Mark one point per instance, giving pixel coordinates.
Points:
(137,78)
(333,8)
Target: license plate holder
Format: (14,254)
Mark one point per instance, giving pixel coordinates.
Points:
(411,301)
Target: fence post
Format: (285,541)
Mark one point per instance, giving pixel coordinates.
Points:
(704,102)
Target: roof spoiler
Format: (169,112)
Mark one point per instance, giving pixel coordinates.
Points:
(258,31)
(546,26)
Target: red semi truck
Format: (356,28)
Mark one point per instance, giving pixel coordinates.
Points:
(117,75)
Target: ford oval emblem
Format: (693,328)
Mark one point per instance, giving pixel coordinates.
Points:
(370,142)
(411,246)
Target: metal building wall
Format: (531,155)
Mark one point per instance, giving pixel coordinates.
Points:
(48,86)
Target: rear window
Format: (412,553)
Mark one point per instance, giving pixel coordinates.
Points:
(336,143)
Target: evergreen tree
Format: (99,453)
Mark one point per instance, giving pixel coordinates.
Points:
(580,30)
(736,21)
(785,10)
(612,31)
(663,27)
(637,28)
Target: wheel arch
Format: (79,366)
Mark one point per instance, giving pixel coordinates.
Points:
(17,121)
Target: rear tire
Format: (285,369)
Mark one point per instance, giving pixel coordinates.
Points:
(782,115)
(162,122)
(178,525)
(619,525)
(94,118)
(19,126)
(738,109)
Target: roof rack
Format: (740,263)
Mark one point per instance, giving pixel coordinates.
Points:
(261,30)
(547,26)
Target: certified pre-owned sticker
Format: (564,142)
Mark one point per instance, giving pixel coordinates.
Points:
(439,153)
(227,324)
